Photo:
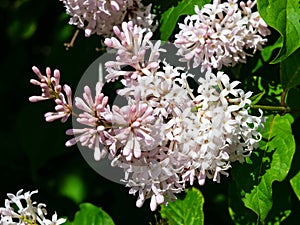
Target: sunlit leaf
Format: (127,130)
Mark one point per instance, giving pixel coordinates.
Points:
(91,215)
(188,211)
(295,182)
(255,98)
(283,15)
(171,16)
(278,146)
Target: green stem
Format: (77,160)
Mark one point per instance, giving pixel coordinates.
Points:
(272,108)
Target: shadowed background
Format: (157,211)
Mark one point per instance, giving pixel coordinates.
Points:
(33,155)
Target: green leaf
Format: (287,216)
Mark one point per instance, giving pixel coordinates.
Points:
(255,98)
(290,71)
(295,182)
(171,16)
(283,15)
(188,211)
(90,215)
(278,147)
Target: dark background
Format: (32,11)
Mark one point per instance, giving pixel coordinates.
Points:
(33,154)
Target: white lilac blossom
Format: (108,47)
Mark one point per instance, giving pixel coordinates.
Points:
(168,136)
(99,16)
(21,210)
(199,136)
(224,131)
(52,89)
(219,34)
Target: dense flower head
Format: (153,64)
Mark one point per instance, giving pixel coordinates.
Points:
(21,210)
(99,16)
(132,43)
(166,136)
(219,33)
(95,116)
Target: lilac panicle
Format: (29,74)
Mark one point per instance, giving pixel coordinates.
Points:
(52,89)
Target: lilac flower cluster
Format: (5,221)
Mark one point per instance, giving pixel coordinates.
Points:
(18,213)
(219,33)
(52,89)
(99,16)
(167,136)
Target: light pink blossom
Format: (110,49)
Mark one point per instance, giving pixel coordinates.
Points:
(219,33)
(52,89)
(100,16)
(96,116)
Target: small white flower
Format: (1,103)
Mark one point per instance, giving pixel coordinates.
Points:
(31,213)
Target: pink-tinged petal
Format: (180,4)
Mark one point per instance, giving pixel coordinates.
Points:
(201,179)
(50,117)
(80,104)
(37,98)
(71,142)
(87,95)
(128,147)
(139,203)
(37,72)
(65,118)
(160,199)
(115,6)
(68,92)
(137,150)
(135,124)
(56,75)
(153,203)
(97,153)
(48,72)
(35,82)
(59,108)
(88,32)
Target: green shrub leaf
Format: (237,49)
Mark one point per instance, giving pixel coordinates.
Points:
(171,16)
(278,146)
(283,15)
(188,211)
(255,98)
(295,182)
(90,215)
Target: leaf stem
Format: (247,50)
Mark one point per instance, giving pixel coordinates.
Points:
(272,108)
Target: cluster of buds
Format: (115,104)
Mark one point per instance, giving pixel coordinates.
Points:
(52,89)
(20,210)
(167,135)
(219,34)
(99,16)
